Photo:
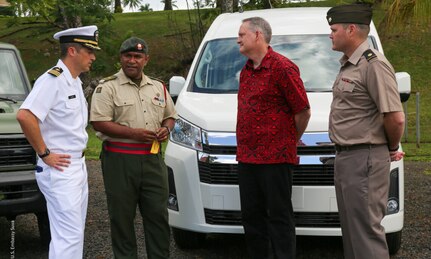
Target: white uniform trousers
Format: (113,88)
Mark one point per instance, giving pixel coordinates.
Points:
(66,195)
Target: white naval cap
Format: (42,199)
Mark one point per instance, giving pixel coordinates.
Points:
(87,36)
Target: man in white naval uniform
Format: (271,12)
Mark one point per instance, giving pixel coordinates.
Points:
(54,118)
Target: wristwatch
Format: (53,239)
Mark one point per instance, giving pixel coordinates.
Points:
(45,154)
(393,149)
(169,130)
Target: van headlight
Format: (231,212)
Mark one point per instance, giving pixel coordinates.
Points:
(186,134)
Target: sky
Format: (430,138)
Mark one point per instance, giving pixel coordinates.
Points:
(157,5)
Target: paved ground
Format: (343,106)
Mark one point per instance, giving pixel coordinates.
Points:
(416,235)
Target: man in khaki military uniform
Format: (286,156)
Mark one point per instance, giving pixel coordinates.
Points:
(132,114)
(366,124)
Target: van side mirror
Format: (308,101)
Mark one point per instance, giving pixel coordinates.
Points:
(404,85)
(176,84)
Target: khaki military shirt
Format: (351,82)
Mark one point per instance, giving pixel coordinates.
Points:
(363,91)
(119,99)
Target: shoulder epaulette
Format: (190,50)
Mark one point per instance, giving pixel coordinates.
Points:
(106,79)
(157,79)
(55,71)
(163,84)
(369,55)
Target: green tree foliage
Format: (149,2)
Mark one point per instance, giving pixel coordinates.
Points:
(64,13)
(145,8)
(132,4)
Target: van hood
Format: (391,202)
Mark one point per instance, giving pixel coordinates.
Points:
(9,124)
(217,112)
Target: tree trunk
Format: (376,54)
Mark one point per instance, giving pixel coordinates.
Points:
(219,3)
(267,4)
(117,6)
(235,5)
(168,5)
(227,6)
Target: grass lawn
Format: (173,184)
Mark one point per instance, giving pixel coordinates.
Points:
(94,145)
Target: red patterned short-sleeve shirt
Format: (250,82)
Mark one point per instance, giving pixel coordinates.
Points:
(268,99)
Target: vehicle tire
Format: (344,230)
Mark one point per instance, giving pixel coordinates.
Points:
(188,239)
(394,241)
(44,230)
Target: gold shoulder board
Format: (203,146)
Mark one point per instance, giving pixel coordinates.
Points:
(55,71)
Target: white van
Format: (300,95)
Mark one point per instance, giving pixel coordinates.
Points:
(203,180)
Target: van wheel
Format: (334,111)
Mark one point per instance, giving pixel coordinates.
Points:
(188,239)
(44,230)
(394,242)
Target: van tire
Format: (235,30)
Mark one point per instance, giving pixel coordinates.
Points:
(44,230)
(394,241)
(188,239)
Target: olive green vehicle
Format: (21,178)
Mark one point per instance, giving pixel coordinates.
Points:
(19,193)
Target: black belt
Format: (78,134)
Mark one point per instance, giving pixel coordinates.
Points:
(340,148)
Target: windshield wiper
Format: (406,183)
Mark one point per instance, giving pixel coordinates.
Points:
(7,99)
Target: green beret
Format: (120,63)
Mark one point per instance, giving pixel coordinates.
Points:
(134,44)
(351,13)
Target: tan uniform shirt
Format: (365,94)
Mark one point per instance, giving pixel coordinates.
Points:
(119,99)
(362,92)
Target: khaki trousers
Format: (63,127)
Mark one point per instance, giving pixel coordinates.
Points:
(362,186)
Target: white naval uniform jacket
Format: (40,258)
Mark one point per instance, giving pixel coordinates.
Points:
(59,104)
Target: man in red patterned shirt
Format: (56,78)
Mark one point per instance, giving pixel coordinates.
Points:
(273,112)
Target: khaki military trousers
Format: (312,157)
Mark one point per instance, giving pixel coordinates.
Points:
(362,186)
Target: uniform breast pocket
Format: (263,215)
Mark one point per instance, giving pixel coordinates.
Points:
(347,87)
(159,102)
(125,111)
(158,108)
(72,103)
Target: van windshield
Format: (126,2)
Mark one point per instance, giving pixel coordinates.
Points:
(12,83)
(220,64)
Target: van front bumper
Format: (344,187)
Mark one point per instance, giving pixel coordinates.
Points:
(215,208)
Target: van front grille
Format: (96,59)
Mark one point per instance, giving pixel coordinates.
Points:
(16,153)
(303,175)
(302,219)
(301,150)
(20,191)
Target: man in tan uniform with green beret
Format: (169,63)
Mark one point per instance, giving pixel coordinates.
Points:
(132,114)
(366,124)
